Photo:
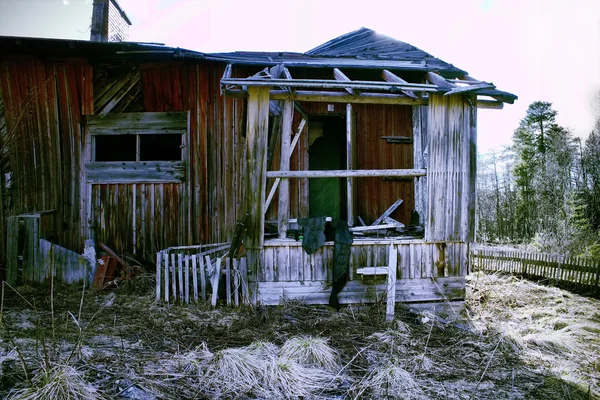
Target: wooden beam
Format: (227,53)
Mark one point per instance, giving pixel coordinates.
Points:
(257,129)
(340,76)
(493,105)
(345,174)
(329,84)
(391,77)
(388,212)
(349,163)
(363,98)
(337,97)
(439,80)
(256,167)
(391,283)
(278,180)
(284,190)
(470,88)
(287,74)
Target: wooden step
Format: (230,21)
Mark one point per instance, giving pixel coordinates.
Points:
(382,270)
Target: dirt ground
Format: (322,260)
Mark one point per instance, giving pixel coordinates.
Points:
(515,340)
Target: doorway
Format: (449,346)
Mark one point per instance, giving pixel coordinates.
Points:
(327,151)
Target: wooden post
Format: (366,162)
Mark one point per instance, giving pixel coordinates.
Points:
(350,163)
(166,263)
(284,187)
(452,163)
(420,159)
(158,271)
(391,283)
(12,250)
(256,179)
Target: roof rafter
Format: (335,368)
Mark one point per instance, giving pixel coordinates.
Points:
(340,76)
(391,77)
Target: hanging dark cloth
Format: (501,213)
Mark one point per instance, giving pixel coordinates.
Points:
(313,233)
(341,260)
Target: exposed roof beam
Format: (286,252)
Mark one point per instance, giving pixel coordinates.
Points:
(330,84)
(338,97)
(364,98)
(340,76)
(440,81)
(470,88)
(390,77)
(495,105)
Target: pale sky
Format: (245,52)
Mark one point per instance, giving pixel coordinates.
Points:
(538,49)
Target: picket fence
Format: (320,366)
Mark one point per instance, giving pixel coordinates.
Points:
(191,273)
(577,273)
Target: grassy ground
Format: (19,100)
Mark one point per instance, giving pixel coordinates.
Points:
(515,340)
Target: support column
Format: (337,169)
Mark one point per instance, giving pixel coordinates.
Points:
(452,131)
(256,179)
(350,133)
(420,142)
(284,186)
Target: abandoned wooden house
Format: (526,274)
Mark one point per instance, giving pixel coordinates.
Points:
(169,155)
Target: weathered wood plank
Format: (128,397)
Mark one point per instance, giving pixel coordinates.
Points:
(135,172)
(158,274)
(284,189)
(141,120)
(12,236)
(391,284)
(316,292)
(409,173)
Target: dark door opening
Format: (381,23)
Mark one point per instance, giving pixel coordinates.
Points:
(327,151)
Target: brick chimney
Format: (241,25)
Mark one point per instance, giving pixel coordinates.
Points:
(109,22)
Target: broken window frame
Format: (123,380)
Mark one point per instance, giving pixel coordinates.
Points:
(138,171)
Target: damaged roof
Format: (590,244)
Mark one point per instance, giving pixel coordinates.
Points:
(363,48)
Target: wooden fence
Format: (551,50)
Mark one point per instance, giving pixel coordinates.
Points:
(581,274)
(188,273)
(32,259)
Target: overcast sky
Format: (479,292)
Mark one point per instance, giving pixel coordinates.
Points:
(538,49)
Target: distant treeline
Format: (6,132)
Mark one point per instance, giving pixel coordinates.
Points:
(543,190)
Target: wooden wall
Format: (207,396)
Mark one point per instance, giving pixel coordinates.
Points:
(44,106)
(451,173)
(205,206)
(427,271)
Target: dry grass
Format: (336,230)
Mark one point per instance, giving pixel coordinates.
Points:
(520,340)
(309,350)
(391,381)
(550,328)
(62,382)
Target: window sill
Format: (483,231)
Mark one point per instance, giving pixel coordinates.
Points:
(135,172)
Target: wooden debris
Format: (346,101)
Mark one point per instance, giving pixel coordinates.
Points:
(388,212)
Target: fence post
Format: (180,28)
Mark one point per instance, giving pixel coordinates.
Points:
(158,271)
(12,250)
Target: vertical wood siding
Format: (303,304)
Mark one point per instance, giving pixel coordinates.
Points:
(451,171)
(44,103)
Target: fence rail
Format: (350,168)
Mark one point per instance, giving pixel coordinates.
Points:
(577,273)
